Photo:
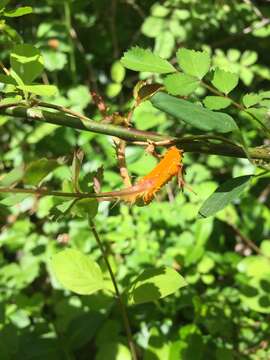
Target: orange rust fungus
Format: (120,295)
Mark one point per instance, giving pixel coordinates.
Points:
(166,169)
(146,188)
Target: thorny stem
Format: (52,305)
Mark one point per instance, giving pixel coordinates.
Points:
(117,292)
(46,192)
(187,143)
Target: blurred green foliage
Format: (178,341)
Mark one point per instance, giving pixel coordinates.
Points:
(223,313)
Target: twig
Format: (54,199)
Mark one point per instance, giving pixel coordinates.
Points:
(117,292)
(247,30)
(111,19)
(257,26)
(247,241)
(256,10)
(68,24)
(2,66)
(135,7)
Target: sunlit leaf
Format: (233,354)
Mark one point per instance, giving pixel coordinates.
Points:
(27,62)
(194,63)
(225,81)
(20,11)
(41,90)
(139,59)
(117,72)
(11,100)
(13,177)
(77,272)
(154,284)
(181,84)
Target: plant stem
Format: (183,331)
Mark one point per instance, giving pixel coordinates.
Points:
(68,24)
(188,144)
(117,292)
(46,192)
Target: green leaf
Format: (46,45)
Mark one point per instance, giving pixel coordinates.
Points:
(248,58)
(13,177)
(39,132)
(6,79)
(86,208)
(195,63)
(256,266)
(3,120)
(256,294)
(14,199)
(79,97)
(181,84)
(113,89)
(216,102)
(145,116)
(158,347)
(37,170)
(194,115)
(61,208)
(118,72)
(152,26)
(223,195)
(24,10)
(41,90)
(225,81)
(27,62)
(11,100)
(251,99)
(158,10)
(265,94)
(265,248)
(66,206)
(77,272)
(164,44)
(154,284)
(119,351)
(139,59)
(205,265)
(54,60)
(12,34)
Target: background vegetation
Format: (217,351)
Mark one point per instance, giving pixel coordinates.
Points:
(223,313)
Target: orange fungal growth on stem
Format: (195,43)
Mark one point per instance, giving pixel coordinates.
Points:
(146,188)
(166,169)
